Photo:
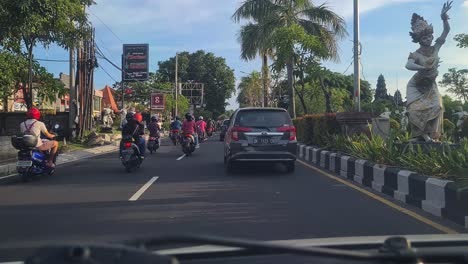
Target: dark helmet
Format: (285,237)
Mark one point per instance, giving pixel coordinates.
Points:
(177,118)
(129,116)
(189,116)
(154,118)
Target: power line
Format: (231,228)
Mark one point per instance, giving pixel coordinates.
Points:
(115,35)
(108,74)
(51,60)
(104,46)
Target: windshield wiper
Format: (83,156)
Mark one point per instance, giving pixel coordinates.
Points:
(251,247)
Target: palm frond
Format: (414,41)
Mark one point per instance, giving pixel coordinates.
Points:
(327,18)
(325,36)
(256,10)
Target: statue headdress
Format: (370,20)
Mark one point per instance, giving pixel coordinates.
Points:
(420,28)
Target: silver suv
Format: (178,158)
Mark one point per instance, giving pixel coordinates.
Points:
(260,135)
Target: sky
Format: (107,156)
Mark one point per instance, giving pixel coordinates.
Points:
(189,25)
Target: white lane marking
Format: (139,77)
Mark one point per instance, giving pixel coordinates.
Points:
(9,176)
(143,189)
(181,157)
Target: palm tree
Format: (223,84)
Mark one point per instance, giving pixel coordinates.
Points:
(268,16)
(250,90)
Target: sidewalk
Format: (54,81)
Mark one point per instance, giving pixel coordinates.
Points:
(10,168)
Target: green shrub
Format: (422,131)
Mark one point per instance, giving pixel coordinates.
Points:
(394,125)
(316,129)
(166,126)
(449,126)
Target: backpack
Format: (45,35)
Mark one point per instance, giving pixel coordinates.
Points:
(25,139)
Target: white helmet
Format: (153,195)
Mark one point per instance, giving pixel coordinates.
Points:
(201,118)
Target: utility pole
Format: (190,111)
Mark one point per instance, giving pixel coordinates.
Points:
(357,78)
(72,96)
(176,81)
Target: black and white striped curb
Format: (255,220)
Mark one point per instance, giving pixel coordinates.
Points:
(438,197)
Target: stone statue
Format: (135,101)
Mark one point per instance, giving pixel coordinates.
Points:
(461,115)
(404,121)
(386,113)
(107,120)
(424,103)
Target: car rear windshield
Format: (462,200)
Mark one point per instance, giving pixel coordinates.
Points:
(226,122)
(263,118)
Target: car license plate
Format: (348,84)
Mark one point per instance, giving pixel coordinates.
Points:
(24,163)
(262,140)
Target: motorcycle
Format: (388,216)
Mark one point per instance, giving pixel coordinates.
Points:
(188,144)
(175,136)
(31,161)
(153,144)
(209,131)
(130,154)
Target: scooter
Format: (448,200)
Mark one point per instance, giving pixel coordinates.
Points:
(175,136)
(209,131)
(130,154)
(31,162)
(153,144)
(188,144)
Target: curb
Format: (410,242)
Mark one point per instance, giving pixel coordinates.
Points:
(9,170)
(438,197)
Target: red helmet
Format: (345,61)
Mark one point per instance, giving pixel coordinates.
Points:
(34,113)
(138,117)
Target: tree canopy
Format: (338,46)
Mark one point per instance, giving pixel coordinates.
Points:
(203,67)
(462,40)
(456,82)
(26,23)
(283,26)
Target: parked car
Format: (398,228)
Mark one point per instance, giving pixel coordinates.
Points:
(224,127)
(260,135)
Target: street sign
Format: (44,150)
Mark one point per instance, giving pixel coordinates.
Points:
(135,62)
(158,101)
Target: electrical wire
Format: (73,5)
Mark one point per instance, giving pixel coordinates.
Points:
(115,35)
(108,74)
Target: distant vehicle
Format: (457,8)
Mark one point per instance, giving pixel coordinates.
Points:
(223,129)
(260,135)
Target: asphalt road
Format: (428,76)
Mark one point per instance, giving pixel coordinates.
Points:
(89,201)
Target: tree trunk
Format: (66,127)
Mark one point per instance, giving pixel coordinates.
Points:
(265,79)
(27,92)
(5,104)
(327,96)
(301,98)
(292,100)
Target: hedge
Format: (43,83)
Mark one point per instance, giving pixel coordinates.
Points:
(317,128)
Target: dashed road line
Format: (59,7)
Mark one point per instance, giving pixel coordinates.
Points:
(143,189)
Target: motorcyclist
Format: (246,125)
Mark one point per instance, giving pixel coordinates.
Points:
(211,124)
(135,129)
(154,127)
(189,127)
(176,124)
(201,125)
(36,127)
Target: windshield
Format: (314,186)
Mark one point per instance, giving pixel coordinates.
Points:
(323,119)
(260,118)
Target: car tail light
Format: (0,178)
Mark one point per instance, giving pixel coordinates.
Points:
(128,144)
(290,129)
(235,132)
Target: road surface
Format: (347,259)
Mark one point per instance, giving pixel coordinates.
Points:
(96,200)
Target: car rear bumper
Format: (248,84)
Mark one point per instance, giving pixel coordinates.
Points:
(267,156)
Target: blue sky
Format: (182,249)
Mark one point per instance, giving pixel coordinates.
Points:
(190,25)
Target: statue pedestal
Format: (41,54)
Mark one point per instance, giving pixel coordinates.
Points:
(381,127)
(353,123)
(426,147)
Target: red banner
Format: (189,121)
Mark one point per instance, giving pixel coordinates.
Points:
(158,101)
